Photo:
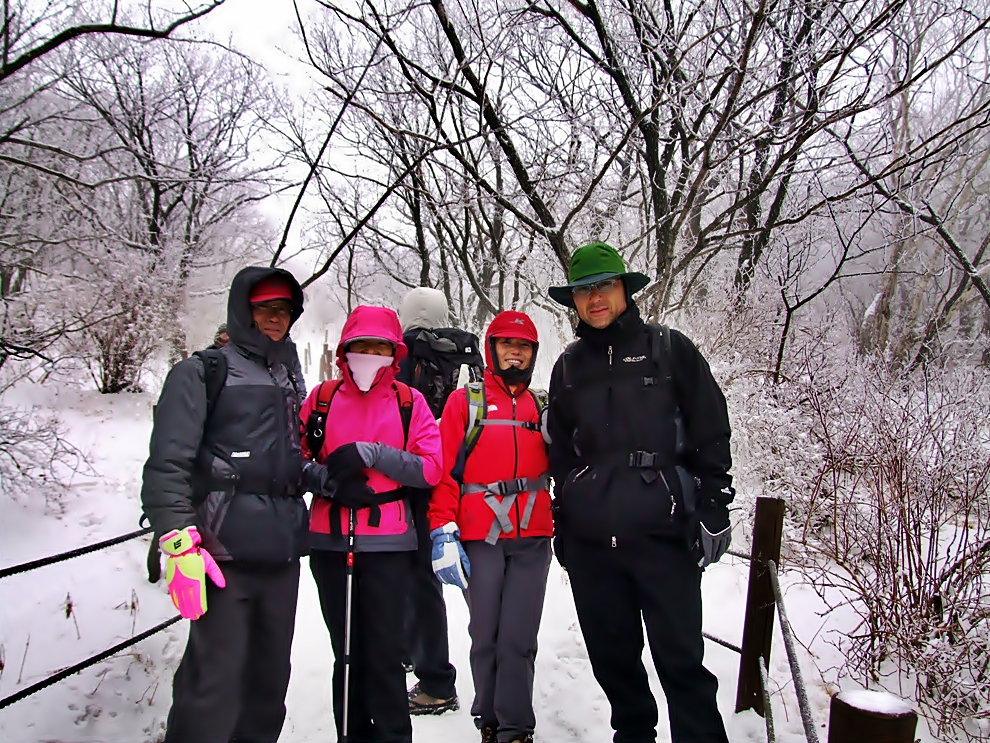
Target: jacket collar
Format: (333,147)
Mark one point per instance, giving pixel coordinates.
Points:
(624,326)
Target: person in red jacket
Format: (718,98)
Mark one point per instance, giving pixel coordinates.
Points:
(372,457)
(491,527)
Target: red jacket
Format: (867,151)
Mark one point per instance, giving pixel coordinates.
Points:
(501,453)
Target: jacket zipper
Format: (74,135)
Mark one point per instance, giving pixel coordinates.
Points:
(282,424)
(515,468)
(608,420)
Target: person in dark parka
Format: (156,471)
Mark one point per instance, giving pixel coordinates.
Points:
(639,457)
(222,492)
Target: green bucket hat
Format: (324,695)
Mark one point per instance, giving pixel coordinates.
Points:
(591,264)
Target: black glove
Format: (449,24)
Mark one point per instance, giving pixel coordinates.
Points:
(715,531)
(352,491)
(314,478)
(344,460)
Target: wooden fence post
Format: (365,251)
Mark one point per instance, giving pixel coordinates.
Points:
(326,359)
(760,607)
(878,717)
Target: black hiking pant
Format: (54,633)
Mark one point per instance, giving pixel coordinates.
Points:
(617,590)
(377,700)
(505,596)
(426,617)
(231,681)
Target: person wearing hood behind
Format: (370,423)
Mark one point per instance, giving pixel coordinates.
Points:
(373,461)
(222,492)
(491,525)
(427,647)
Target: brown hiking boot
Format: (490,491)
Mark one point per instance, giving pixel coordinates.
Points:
(525,739)
(488,735)
(421,703)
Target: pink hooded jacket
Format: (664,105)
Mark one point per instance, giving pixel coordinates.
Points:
(373,416)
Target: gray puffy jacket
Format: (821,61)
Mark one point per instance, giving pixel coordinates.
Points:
(236,475)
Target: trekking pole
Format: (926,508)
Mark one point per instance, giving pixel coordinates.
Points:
(348,610)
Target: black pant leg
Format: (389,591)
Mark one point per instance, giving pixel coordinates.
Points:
(606,600)
(206,689)
(426,624)
(273,617)
(669,582)
(330,573)
(383,589)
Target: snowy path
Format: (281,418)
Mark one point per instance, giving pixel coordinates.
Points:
(125,699)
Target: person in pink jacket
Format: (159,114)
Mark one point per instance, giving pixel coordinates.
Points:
(379,439)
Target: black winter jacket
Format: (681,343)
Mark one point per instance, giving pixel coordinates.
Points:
(611,403)
(236,475)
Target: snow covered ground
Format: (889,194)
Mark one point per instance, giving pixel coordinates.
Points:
(56,616)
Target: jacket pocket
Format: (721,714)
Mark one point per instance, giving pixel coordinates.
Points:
(262,529)
(213,510)
(644,506)
(584,502)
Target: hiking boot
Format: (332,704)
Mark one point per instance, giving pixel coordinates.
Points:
(421,703)
(525,739)
(488,734)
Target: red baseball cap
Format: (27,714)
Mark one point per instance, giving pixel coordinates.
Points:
(271,287)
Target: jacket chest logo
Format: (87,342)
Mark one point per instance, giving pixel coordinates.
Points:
(633,359)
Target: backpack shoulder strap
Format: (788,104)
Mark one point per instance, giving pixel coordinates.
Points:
(564,365)
(659,341)
(404,397)
(477,410)
(316,424)
(326,392)
(541,397)
(215,376)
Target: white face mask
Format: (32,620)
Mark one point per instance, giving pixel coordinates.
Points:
(364,367)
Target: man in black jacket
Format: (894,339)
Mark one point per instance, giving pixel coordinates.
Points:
(639,456)
(222,481)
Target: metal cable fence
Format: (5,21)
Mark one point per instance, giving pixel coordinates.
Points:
(98,657)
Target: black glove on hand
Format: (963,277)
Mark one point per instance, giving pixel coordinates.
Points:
(352,491)
(344,460)
(315,478)
(715,531)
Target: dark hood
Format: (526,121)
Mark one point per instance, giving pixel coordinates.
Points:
(240,326)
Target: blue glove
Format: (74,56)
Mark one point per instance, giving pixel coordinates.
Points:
(450,563)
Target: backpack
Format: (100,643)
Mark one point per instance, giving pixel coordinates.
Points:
(316,425)
(478,411)
(435,359)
